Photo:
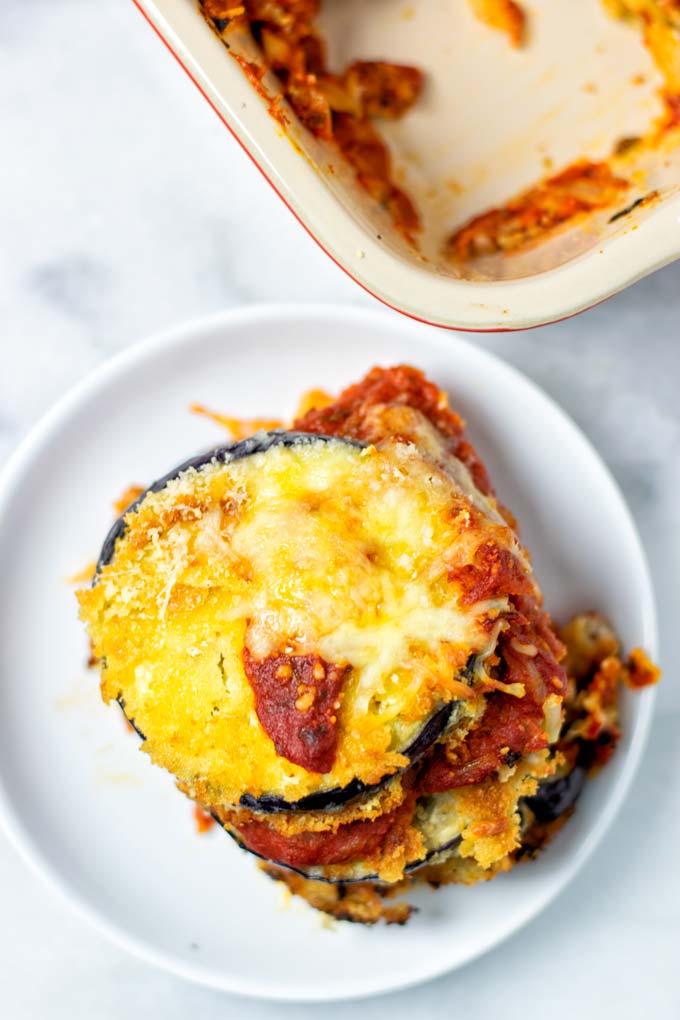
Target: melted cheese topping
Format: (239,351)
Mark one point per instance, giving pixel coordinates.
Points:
(322,548)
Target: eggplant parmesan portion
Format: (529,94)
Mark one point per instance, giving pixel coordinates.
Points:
(331,635)
(300,614)
(480,823)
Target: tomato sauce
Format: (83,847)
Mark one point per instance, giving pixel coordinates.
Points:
(353,841)
(511,726)
(509,729)
(494,572)
(297,698)
(204,821)
(349,415)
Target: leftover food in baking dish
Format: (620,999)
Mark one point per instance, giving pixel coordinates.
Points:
(333,637)
(351,106)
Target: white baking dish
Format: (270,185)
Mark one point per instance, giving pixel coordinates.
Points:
(490,122)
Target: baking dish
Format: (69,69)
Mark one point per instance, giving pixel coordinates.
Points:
(490,122)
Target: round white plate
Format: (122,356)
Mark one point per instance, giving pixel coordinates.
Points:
(108,829)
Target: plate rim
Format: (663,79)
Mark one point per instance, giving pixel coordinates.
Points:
(186,333)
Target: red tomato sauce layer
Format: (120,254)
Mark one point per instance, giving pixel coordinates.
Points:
(349,415)
(509,728)
(297,703)
(350,842)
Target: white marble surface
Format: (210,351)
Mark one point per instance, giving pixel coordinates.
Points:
(125,207)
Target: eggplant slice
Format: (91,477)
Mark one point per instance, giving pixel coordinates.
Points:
(325,800)
(318,874)
(409,742)
(434,729)
(440,831)
(442,820)
(340,797)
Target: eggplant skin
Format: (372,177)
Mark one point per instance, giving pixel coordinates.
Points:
(326,800)
(121,702)
(259,443)
(556,796)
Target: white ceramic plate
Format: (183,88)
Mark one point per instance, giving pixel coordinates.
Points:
(108,829)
